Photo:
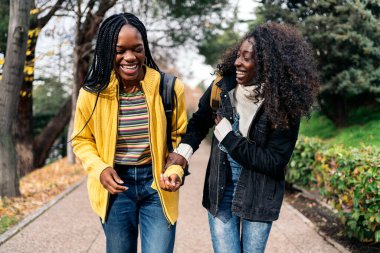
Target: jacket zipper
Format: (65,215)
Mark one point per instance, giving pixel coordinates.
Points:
(218,173)
(116,135)
(151,153)
(217,191)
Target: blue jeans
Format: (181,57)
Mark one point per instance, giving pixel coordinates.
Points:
(230,233)
(138,206)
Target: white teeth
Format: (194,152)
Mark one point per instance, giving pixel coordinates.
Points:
(129,67)
(240,72)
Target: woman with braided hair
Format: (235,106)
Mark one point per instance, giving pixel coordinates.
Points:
(120,137)
(268,81)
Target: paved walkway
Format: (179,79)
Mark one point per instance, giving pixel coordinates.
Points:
(70,225)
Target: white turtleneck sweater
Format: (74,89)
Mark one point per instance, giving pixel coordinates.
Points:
(247,102)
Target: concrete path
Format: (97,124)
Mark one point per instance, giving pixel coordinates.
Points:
(70,225)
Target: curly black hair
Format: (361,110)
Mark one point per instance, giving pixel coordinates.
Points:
(286,71)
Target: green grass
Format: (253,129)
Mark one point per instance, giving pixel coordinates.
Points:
(364,129)
(318,126)
(5,222)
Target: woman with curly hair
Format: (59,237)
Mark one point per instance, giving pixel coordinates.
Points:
(268,82)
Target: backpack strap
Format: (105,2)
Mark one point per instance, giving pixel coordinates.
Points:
(167,94)
(215,94)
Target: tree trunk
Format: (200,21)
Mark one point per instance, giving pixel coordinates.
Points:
(23,129)
(45,140)
(9,93)
(334,107)
(339,110)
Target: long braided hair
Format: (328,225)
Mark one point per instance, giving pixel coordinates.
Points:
(99,74)
(286,71)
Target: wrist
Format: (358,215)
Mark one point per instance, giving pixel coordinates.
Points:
(222,129)
(184,150)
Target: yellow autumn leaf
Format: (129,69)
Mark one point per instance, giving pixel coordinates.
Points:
(34,11)
(28,70)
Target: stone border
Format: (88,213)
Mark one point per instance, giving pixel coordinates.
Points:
(31,217)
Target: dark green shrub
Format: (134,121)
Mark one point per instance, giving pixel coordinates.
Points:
(348,178)
(300,168)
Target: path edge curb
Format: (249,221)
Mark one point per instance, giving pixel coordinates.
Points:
(334,243)
(31,217)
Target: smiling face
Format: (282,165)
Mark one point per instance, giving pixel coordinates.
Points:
(130,56)
(245,63)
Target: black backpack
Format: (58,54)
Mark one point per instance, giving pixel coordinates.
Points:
(167,94)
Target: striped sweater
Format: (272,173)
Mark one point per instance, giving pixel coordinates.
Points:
(132,146)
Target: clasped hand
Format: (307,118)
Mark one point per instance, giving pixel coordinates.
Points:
(173,182)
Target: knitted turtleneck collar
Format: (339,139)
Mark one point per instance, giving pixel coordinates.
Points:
(250,92)
(247,101)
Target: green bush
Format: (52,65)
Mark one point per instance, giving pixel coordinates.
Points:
(300,168)
(349,178)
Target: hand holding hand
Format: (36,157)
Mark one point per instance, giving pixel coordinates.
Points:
(111,181)
(174,158)
(171,183)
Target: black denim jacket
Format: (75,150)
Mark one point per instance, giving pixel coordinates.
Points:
(263,155)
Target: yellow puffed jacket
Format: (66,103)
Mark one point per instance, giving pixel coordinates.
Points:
(95,145)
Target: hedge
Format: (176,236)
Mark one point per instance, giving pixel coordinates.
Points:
(349,178)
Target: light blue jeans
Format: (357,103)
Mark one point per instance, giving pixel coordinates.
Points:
(138,206)
(230,233)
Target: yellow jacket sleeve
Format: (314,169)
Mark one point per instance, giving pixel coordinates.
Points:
(174,169)
(84,145)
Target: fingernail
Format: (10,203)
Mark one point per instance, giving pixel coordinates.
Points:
(121,181)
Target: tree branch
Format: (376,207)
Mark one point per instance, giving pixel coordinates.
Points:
(45,19)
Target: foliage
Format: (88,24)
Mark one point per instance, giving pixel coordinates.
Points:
(4,18)
(348,177)
(218,40)
(215,44)
(194,18)
(173,24)
(318,126)
(38,188)
(300,168)
(363,130)
(49,95)
(346,38)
